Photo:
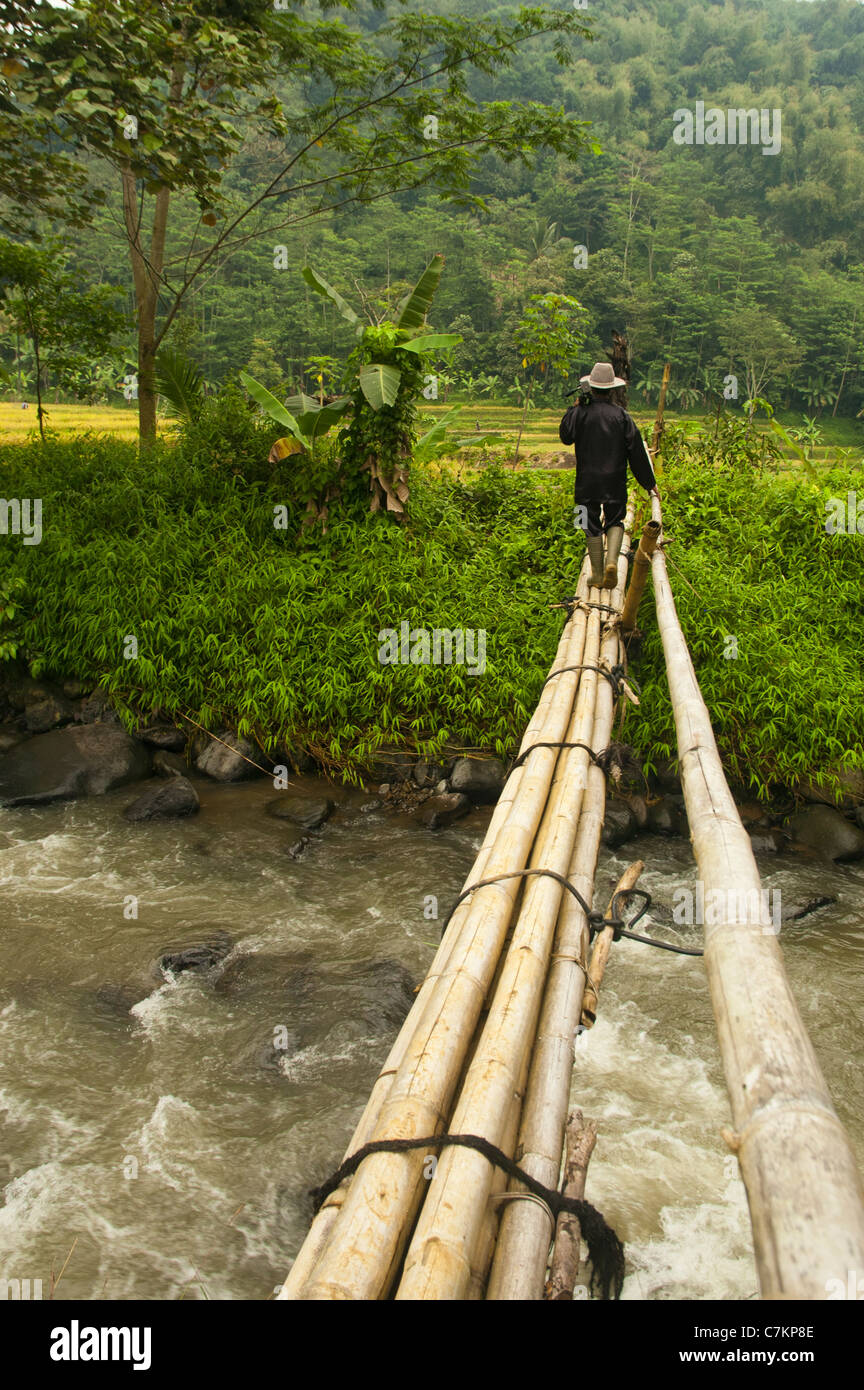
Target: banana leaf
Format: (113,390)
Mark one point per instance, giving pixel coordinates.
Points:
(379,383)
(431,342)
(268,402)
(415,305)
(322,286)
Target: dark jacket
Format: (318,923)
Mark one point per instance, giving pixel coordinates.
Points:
(606,440)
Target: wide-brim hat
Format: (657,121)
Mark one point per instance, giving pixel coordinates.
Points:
(602,377)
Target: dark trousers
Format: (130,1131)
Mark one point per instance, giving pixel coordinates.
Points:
(614,509)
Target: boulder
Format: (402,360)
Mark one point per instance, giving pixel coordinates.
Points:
(767,840)
(79,760)
(826,832)
(306,811)
(619,823)
(198,956)
(793,912)
(10,737)
(224,759)
(26,691)
(443,810)
(96,709)
(163,736)
(848,796)
(167,764)
(666,776)
(429,774)
(52,713)
(481,779)
(174,797)
(664,818)
(390,765)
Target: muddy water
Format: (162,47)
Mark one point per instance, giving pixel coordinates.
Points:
(152,1124)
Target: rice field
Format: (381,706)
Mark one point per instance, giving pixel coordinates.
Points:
(540,444)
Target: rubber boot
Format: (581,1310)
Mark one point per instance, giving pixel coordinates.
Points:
(595,555)
(614,537)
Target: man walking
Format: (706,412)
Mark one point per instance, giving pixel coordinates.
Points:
(606,439)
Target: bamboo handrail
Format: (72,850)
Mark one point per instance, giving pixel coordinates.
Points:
(803,1187)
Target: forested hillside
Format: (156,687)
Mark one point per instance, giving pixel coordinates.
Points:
(717,258)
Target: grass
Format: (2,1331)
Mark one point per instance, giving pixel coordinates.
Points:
(275,632)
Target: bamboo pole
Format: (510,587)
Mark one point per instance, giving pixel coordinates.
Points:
(641,569)
(581,1138)
(521,1253)
(602,947)
(441,1254)
(523,1246)
(803,1188)
(439,1260)
(366,1239)
(569,653)
(658,422)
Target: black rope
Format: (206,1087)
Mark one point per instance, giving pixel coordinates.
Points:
(597,758)
(627,931)
(605,1250)
(615,675)
(527,873)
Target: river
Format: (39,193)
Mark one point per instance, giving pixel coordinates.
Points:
(169,1147)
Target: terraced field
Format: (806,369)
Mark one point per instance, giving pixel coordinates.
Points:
(540,444)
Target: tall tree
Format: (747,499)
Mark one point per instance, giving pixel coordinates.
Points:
(162,92)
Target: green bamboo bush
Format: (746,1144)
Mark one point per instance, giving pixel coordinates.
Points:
(274,630)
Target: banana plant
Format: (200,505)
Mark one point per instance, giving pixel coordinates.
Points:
(312,421)
(379,381)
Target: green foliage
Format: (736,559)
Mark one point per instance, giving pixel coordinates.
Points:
(180,383)
(243,622)
(65,325)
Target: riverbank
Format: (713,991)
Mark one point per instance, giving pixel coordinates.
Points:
(185,587)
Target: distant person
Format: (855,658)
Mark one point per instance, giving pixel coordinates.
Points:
(606,439)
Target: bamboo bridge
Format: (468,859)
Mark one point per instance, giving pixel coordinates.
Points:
(482,1071)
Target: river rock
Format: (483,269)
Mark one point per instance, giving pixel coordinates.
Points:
(767,840)
(793,912)
(664,818)
(10,737)
(26,691)
(389,765)
(163,736)
(80,760)
(176,797)
(481,779)
(667,777)
(166,764)
(97,709)
(227,763)
(443,810)
(429,774)
(849,796)
(198,956)
(827,832)
(306,811)
(619,823)
(52,713)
